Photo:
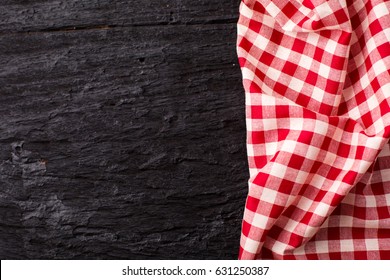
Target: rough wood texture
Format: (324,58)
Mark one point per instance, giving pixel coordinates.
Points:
(122,130)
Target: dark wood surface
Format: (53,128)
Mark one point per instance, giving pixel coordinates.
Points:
(122,132)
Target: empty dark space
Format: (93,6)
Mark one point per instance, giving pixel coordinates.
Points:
(122,132)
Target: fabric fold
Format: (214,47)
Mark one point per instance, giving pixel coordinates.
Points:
(301,16)
(316,76)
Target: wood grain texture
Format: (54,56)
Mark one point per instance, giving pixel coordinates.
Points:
(123,137)
(33,15)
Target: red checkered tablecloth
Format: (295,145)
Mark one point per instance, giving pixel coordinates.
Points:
(317,85)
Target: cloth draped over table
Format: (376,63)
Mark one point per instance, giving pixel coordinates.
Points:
(316,76)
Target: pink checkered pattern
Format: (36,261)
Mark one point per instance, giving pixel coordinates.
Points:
(317,85)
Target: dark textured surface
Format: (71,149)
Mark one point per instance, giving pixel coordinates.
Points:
(122,130)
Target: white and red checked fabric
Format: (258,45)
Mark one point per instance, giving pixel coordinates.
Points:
(317,84)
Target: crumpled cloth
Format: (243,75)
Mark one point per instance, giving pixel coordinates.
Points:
(316,76)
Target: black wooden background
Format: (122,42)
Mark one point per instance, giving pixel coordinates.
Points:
(122,130)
